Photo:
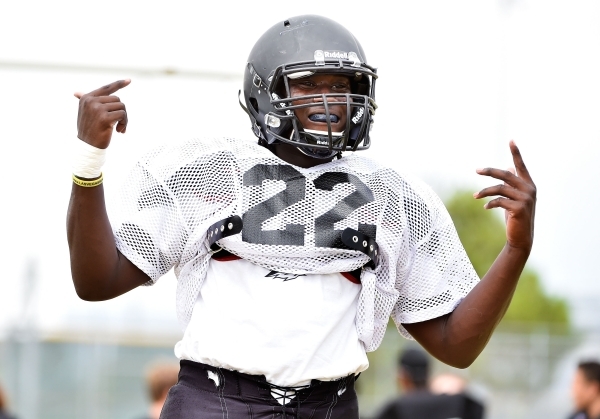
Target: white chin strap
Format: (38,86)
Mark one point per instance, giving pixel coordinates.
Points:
(324,133)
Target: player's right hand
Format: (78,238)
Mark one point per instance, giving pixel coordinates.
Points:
(99,111)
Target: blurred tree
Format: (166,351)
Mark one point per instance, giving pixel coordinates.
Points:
(483,236)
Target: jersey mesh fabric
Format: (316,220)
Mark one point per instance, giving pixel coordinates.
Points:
(293,219)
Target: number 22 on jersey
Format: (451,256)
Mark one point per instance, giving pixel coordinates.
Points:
(295,192)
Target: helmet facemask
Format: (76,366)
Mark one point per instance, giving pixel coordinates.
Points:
(282,123)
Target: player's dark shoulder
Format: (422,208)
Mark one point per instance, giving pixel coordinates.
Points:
(193,170)
(410,203)
(392,180)
(183,151)
(204,160)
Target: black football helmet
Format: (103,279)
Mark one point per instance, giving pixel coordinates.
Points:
(299,47)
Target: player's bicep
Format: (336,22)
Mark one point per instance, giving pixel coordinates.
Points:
(105,285)
(429,333)
(128,276)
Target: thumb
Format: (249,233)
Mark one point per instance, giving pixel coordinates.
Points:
(78,95)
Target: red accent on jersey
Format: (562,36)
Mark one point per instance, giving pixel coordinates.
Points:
(225,258)
(350,277)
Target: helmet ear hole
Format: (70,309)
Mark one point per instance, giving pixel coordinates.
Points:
(254,104)
(361,87)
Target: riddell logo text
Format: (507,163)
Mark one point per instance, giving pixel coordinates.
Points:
(358,115)
(336,55)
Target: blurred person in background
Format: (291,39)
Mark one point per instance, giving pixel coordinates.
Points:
(3,406)
(159,380)
(418,401)
(452,384)
(413,371)
(411,378)
(585,390)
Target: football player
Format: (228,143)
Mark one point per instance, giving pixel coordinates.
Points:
(291,254)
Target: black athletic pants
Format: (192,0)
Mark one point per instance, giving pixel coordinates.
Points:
(205,392)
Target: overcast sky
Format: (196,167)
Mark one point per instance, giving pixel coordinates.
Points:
(457,81)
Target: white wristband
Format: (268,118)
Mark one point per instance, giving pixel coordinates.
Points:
(87,160)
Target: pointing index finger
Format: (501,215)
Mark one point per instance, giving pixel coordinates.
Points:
(520,167)
(111,88)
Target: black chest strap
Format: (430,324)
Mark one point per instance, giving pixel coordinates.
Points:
(224,228)
(351,238)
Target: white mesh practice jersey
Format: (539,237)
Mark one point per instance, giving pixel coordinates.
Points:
(292,222)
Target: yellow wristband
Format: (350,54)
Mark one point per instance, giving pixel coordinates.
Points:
(88,183)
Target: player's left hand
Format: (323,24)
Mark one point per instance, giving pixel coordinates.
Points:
(517,195)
